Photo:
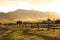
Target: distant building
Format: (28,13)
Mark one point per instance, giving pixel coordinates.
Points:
(11,23)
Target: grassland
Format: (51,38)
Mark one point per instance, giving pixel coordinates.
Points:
(16,32)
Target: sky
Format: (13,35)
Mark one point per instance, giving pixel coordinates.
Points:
(40,5)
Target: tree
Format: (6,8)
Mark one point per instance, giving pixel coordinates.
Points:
(19,22)
(50,24)
(57,21)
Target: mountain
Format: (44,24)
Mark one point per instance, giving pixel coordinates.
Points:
(27,15)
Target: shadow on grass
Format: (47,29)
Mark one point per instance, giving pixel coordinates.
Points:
(39,35)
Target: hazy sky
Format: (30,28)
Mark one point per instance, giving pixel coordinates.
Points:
(41,5)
